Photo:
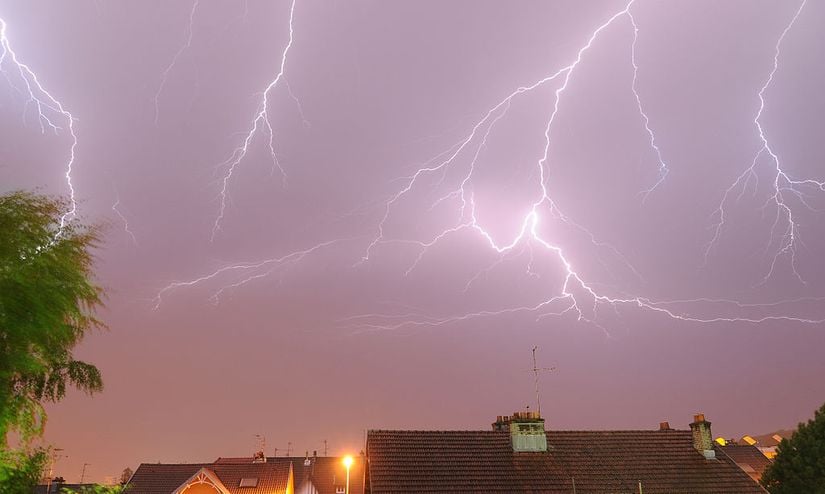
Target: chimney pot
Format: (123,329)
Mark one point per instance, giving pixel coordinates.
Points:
(664,426)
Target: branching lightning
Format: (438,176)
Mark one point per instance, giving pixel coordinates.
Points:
(185,46)
(576,295)
(663,169)
(307,124)
(120,215)
(248,272)
(573,293)
(50,112)
(245,272)
(261,122)
(785,225)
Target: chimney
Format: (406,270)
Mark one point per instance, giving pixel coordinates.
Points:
(664,426)
(57,484)
(502,423)
(526,431)
(702,438)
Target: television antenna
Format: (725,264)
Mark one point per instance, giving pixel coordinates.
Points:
(261,441)
(83,472)
(535,370)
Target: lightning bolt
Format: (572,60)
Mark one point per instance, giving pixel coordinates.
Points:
(782,184)
(123,218)
(185,46)
(244,272)
(528,229)
(663,168)
(261,122)
(307,124)
(575,295)
(48,110)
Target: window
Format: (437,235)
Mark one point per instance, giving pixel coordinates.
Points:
(340,490)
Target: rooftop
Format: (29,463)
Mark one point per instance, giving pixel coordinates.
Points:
(593,461)
(237,474)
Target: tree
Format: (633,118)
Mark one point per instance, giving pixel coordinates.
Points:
(799,466)
(126,475)
(47,303)
(20,470)
(95,489)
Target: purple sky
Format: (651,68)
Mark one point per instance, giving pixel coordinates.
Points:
(345,287)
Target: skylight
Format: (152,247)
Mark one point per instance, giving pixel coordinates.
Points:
(249,482)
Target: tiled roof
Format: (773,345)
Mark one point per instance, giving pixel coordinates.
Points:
(165,478)
(272,476)
(161,478)
(325,473)
(597,461)
(768,440)
(328,472)
(749,458)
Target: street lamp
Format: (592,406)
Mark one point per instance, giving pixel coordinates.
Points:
(348,464)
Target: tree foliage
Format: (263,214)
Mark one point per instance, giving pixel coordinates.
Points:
(47,298)
(126,475)
(21,470)
(47,303)
(799,466)
(95,489)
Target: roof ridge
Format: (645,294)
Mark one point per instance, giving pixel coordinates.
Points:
(177,464)
(441,431)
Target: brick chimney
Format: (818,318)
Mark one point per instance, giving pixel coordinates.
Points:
(502,423)
(702,438)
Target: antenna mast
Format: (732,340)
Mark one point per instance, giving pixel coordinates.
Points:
(536,369)
(262,441)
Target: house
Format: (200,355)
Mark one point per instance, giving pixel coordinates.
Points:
(322,475)
(767,443)
(251,475)
(747,457)
(519,456)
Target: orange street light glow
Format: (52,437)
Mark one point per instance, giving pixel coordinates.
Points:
(348,461)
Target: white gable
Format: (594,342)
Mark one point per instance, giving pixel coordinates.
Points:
(203,482)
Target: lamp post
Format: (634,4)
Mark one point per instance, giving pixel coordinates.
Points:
(348,464)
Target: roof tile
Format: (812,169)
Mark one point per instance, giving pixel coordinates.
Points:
(598,461)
